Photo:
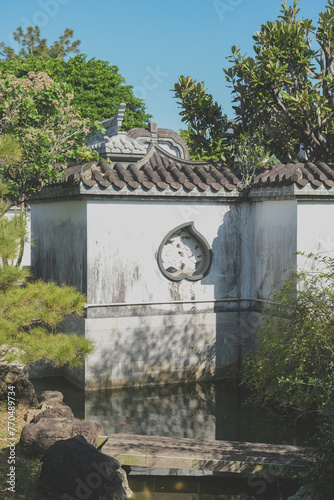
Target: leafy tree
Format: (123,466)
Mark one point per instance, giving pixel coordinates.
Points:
(10,151)
(283,97)
(39,114)
(293,363)
(211,136)
(97,86)
(286,90)
(11,154)
(207,133)
(33,45)
(39,132)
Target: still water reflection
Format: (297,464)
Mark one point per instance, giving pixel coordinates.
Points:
(203,411)
(213,410)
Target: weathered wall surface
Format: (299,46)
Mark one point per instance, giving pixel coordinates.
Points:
(108,248)
(315,229)
(165,349)
(159,343)
(124,239)
(162,343)
(274,232)
(59,235)
(59,253)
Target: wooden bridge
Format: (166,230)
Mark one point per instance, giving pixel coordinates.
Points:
(219,456)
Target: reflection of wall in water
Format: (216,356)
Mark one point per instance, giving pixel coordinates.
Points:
(175,411)
(212,410)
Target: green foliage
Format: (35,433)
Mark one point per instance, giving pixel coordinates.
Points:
(33,45)
(249,155)
(97,86)
(210,136)
(207,133)
(286,91)
(320,477)
(31,311)
(11,230)
(39,114)
(293,364)
(283,97)
(10,150)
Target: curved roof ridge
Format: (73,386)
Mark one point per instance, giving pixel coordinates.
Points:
(155,147)
(161,170)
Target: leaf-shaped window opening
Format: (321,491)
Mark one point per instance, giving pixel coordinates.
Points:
(184,254)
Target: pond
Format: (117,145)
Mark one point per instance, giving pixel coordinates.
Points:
(213,410)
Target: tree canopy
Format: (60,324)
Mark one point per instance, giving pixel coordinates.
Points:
(40,131)
(207,132)
(39,114)
(33,45)
(97,85)
(10,150)
(284,94)
(286,90)
(211,136)
(51,105)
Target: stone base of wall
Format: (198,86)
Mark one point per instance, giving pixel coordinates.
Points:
(165,349)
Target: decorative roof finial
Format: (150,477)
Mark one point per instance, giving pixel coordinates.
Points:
(112,125)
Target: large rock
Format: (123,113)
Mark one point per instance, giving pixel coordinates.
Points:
(74,469)
(36,438)
(14,374)
(51,406)
(49,395)
(55,412)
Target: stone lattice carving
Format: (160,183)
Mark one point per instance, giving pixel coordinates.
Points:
(184,254)
(181,254)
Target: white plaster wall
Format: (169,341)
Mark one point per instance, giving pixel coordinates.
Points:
(274,245)
(122,250)
(59,242)
(139,345)
(315,229)
(109,250)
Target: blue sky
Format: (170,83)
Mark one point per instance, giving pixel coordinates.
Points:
(153,42)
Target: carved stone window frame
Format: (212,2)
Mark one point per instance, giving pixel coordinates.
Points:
(205,265)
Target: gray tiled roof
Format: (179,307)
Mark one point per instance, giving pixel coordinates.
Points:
(157,169)
(162,170)
(300,174)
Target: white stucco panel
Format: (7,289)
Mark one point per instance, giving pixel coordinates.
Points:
(123,244)
(315,229)
(59,242)
(275,245)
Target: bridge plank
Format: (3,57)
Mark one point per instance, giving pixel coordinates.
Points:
(192,454)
